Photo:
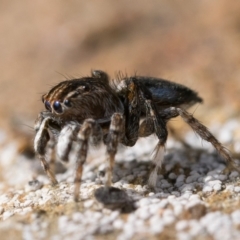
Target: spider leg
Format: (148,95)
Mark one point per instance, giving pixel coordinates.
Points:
(52,153)
(146,127)
(65,140)
(204,133)
(135,98)
(160,129)
(132,113)
(114,135)
(40,143)
(89,128)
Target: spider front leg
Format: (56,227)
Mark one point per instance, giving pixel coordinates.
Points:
(114,135)
(40,143)
(66,137)
(88,129)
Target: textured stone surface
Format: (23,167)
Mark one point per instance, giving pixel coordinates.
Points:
(196,44)
(205,204)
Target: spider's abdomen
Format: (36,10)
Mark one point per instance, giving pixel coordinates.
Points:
(167,94)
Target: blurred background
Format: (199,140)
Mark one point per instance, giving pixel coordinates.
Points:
(196,44)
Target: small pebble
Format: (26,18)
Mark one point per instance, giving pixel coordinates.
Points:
(230,188)
(7,214)
(191,178)
(208,178)
(168,220)
(118,224)
(194,197)
(88,203)
(77,217)
(195,229)
(143,213)
(237,189)
(222,177)
(178,209)
(181,225)
(178,184)
(187,187)
(236,217)
(129,178)
(180,178)
(207,189)
(233,175)
(156,224)
(163,203)
(217,187)
(128,230)
(157,228)
(172,176)
(151,194)
(144,202)
(27,203)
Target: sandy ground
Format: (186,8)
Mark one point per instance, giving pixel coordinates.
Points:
(196,44)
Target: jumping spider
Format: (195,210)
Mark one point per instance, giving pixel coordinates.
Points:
(89,109)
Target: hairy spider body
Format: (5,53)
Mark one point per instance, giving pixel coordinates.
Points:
(89,110)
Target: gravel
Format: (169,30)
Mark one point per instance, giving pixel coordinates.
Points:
(193,199)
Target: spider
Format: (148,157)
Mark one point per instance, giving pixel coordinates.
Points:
(89,110)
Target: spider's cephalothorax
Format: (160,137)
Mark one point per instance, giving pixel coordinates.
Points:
(89,108)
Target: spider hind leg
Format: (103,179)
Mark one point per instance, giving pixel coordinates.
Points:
(160,129)
(205,134)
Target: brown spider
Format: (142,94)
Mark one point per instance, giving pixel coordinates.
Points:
(89,109)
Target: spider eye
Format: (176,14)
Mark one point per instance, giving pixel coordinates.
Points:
(57,107)
(47,105)
(67,103)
